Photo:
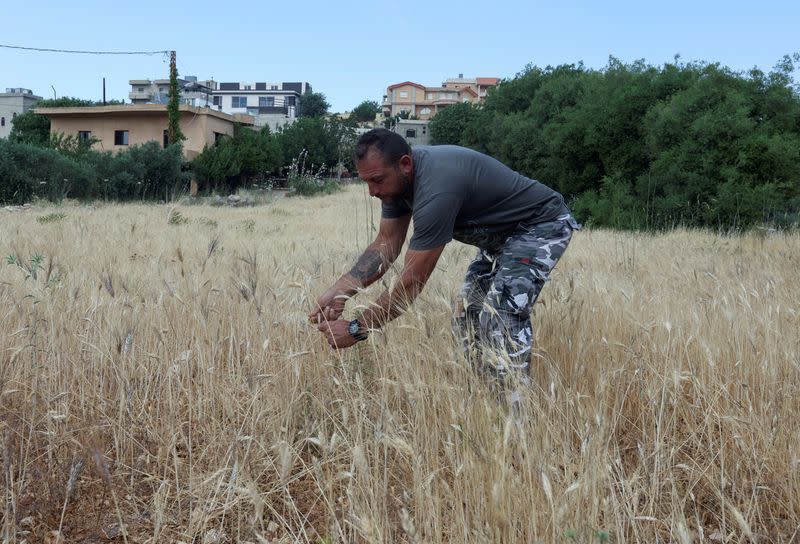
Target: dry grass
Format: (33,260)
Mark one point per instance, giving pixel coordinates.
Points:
(159,383)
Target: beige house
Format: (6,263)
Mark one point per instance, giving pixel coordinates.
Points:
(117,127)
(425,102)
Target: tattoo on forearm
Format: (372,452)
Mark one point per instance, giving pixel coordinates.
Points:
(368,265)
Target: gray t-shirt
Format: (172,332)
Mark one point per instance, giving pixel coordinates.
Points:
(470,197)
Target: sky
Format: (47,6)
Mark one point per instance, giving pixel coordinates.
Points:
(352,50)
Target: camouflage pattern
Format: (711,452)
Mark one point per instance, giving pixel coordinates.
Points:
(492,316)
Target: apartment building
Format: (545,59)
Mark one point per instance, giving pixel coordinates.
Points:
(13,102)
(425,102)
(156,91)
(270,104)
(479,84)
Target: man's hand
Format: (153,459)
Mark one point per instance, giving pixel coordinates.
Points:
(337,333)
(329,307)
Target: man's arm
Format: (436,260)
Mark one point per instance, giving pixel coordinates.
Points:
(417,269)
(381,253)
(372,264)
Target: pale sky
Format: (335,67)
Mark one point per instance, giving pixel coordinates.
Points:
(352,50)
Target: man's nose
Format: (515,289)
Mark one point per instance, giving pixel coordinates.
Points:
(372,190)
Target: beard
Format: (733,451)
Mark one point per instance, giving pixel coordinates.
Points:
(406,187)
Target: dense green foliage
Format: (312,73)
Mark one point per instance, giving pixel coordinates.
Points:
(249,155)
(366,111)
(255,156)
(448,126)
(638,146)
(313,105)
(142,172)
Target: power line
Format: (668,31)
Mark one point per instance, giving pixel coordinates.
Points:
(84,52)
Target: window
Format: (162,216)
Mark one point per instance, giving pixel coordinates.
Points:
(2,121)
(120,137)
(162,89)
(248,87)
(429,96)
(411,133)
(403,94)
(290,100)
(217,100)
(140,89)
(217,137)
(264,101)
(84,135)
(273,87)
(238,101)
(166,138)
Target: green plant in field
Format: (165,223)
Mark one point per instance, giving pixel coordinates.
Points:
(303,180)
(34,268)
(208,222)
(50,218)
(175,217)
(249,225)
(599,535)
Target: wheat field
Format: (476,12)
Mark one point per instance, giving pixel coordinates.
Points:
(160,383)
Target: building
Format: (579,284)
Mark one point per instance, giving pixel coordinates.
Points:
(13,102)
(270,104)
(424,102)
(415,131)
(119,126)
(479,84)
(156,91)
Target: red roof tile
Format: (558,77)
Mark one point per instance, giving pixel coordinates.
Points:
(405,83)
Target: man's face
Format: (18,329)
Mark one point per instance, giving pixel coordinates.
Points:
(386,182)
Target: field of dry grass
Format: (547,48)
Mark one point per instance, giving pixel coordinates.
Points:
(159,383)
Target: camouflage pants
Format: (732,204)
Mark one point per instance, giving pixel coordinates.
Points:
(493,315)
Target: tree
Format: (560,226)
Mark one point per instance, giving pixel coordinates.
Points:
(313,105)
(366,111)
(174,134)
(447,126)
(323,143)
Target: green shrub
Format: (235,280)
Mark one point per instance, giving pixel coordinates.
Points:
(27,171)
(54,217)
(143,172)
(303,181)
(175,217)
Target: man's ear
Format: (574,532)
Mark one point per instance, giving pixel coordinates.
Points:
(406,165)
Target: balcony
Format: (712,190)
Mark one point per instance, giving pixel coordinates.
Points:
(134,95)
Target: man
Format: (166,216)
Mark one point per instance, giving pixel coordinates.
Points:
(520,226)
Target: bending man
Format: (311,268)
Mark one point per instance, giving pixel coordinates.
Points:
(520,227)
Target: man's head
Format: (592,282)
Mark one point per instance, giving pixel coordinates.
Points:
(383,159)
